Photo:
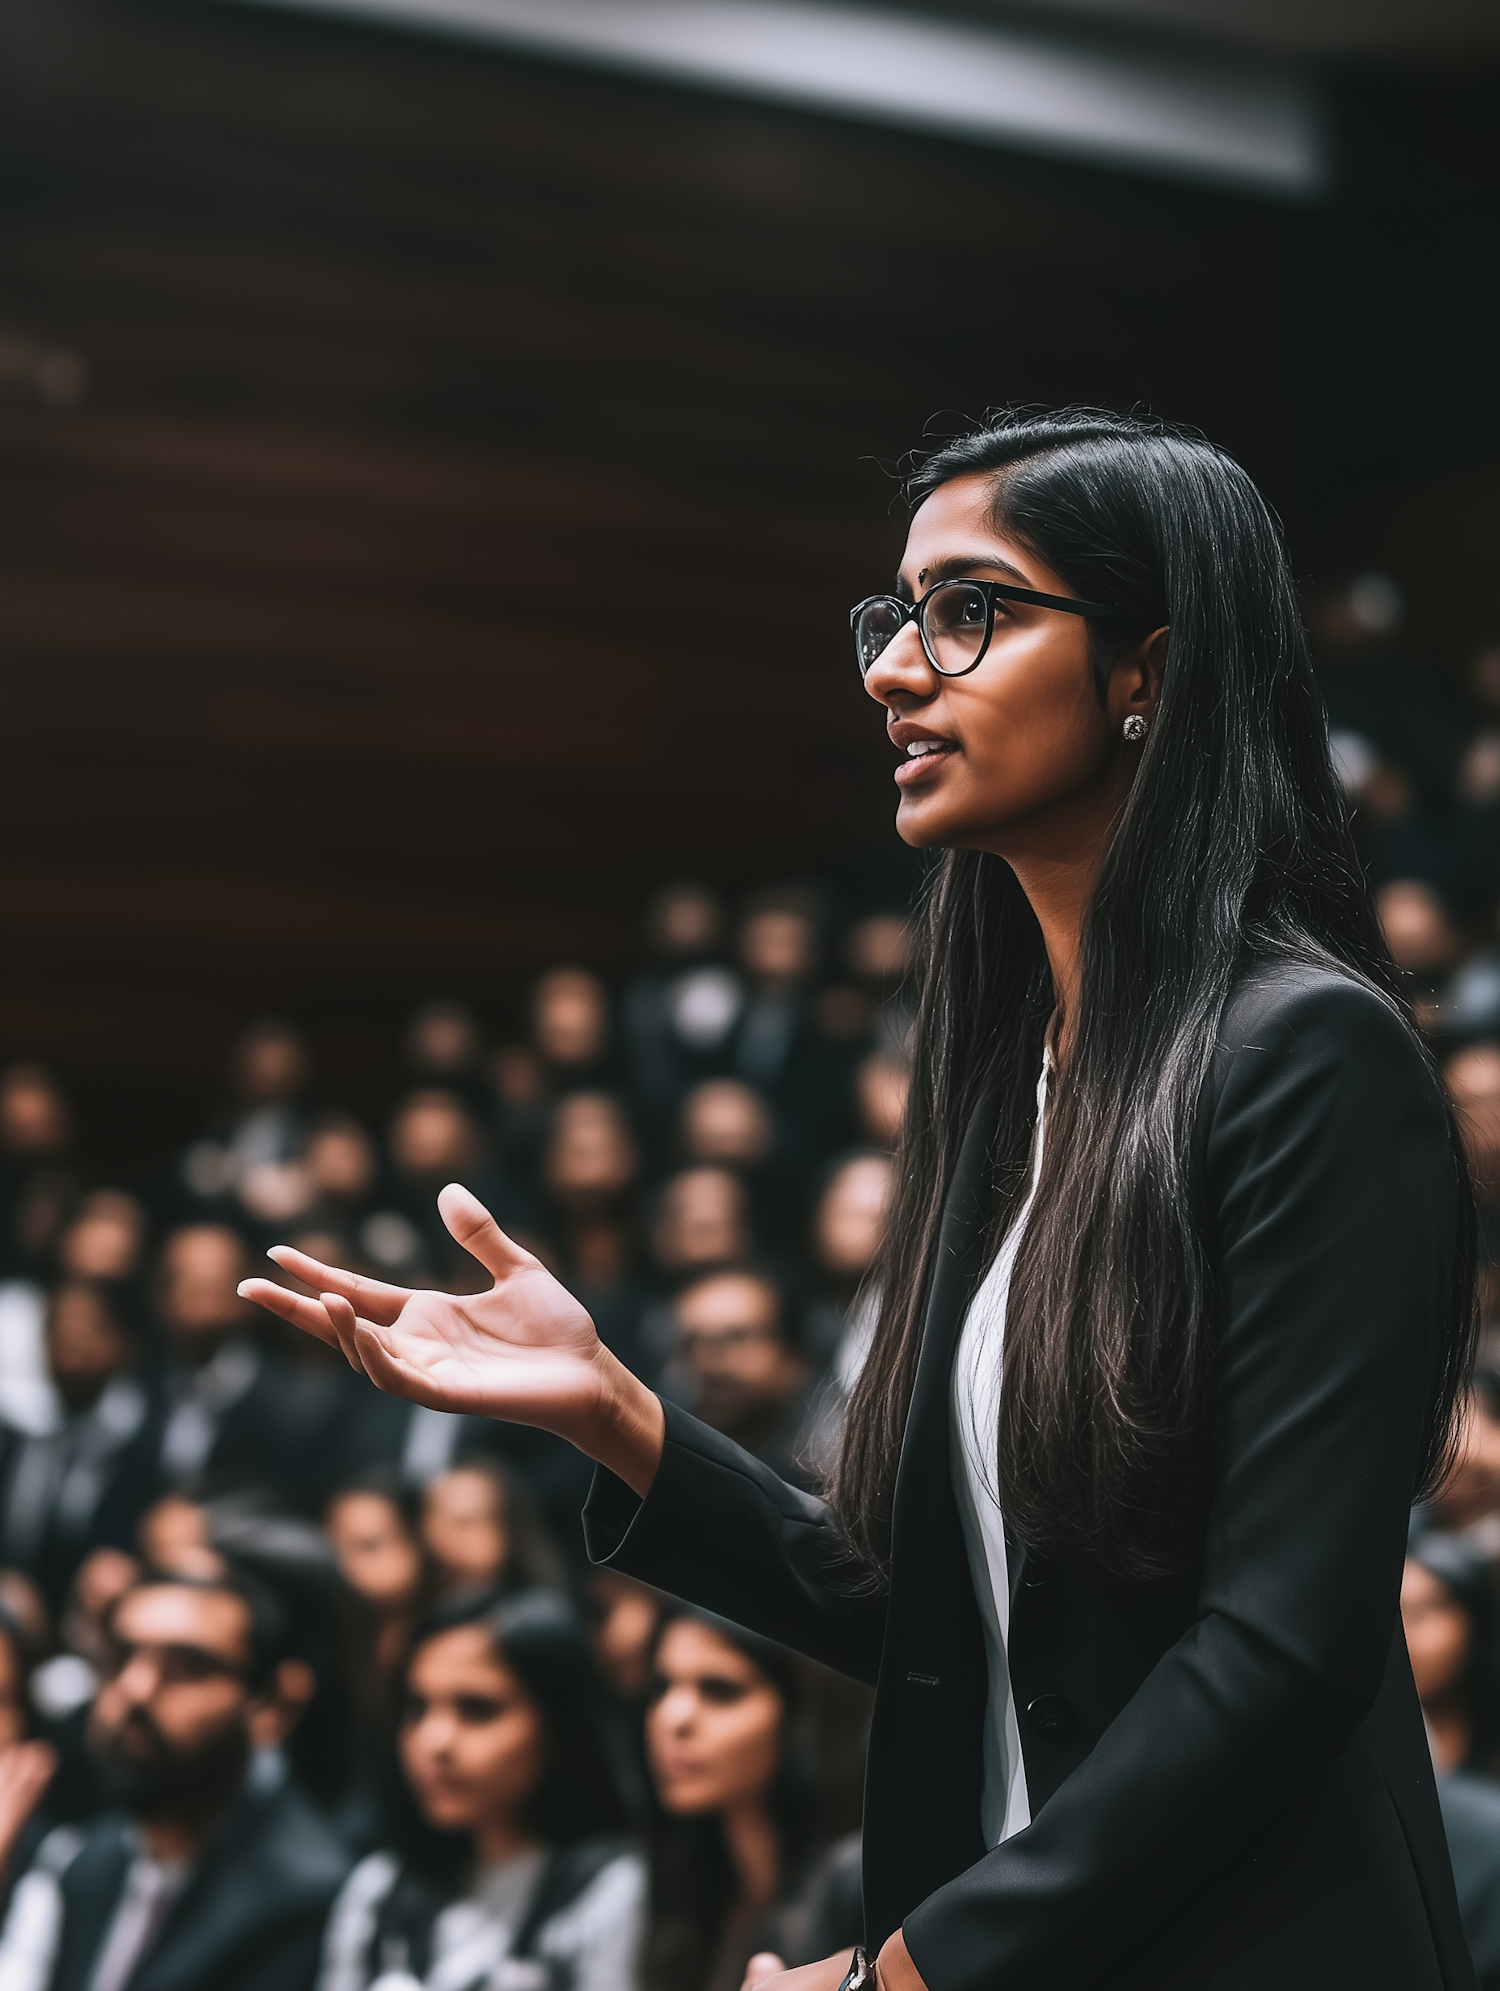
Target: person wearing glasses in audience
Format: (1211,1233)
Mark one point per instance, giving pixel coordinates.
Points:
(739,1364)
(1129,1596)
(213,1869)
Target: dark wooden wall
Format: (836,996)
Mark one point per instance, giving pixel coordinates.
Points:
(476,464)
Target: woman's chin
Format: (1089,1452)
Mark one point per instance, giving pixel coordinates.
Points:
(924,828)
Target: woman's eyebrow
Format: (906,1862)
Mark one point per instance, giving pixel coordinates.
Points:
(954,566)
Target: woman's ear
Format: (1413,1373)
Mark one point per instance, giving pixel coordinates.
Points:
(1135,681)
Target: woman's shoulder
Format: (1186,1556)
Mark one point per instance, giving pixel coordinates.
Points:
(1304,1042)
(1309,1012)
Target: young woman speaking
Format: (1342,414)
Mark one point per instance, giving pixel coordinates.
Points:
(1176,1303)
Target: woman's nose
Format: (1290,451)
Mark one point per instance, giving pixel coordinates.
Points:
(677,1706)
(901,674)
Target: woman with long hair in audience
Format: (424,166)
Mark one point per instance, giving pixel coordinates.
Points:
(1129,1597)
(503,1868)
(736,1799)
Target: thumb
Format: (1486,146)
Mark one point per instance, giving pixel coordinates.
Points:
(472,1226)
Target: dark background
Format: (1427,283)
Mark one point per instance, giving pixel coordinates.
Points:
(432,485)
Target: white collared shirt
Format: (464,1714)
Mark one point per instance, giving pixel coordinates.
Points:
(974,1422)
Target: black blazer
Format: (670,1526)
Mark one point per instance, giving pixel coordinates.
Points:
(250,1919)
(1229,1780)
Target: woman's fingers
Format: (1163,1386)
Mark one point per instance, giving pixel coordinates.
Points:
(367,1296)
(471,1224)
(345,1323)
(309,1315)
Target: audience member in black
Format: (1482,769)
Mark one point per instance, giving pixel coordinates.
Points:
(777,1045)
(1468,1501)
(105,1238)
(733,1781)
(262,1130)
(444,1046)
(878,951)
(624,1618)
(433,1139)
(38,1185)
(701,1223)
(726,1123)
(679,1010)
(739,1363)
(480,1531)
(1448,1609)
(1424,942)
(342,1165)
(848,1224)
(374,1536)
(213,1870)
(502,1824)
(880,1087)
(83,1481)
(589,1169)
(570,1030)
(1354,624)
(221,1417)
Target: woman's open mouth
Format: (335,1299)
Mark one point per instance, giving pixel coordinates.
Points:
(922,758)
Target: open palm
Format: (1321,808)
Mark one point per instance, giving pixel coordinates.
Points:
(525,1351)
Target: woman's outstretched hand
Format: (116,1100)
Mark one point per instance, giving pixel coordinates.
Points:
(525,1351)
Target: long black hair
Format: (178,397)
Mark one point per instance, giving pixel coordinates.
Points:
(1234,840)
(539,1637)
(692,1877)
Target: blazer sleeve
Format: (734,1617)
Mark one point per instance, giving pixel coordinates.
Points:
(1331,1198)
(721,1529)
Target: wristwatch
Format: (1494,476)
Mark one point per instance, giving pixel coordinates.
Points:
(860,1975)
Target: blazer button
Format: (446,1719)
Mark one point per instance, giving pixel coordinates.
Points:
(1050,1714)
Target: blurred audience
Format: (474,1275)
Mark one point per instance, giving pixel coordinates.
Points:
(259,1623)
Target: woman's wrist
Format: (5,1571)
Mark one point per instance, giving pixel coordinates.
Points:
(629,1429)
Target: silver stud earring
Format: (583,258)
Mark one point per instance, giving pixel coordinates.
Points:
(1134,729)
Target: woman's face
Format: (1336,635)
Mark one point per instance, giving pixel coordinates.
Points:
(713,1735)
(472,1740)
(1028,761)
(1438,1633)
(463,1529)
(375,1549)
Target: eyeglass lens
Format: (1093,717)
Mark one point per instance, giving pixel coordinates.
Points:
(954,617)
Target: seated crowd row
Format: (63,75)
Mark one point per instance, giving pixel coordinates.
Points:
(301,1685)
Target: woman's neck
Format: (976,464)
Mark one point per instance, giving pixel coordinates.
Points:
(755,1855)
(1056,859)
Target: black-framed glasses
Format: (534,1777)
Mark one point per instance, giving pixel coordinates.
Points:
(955,620)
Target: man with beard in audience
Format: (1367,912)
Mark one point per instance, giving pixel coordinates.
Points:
(213,1871)
(740,1364)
